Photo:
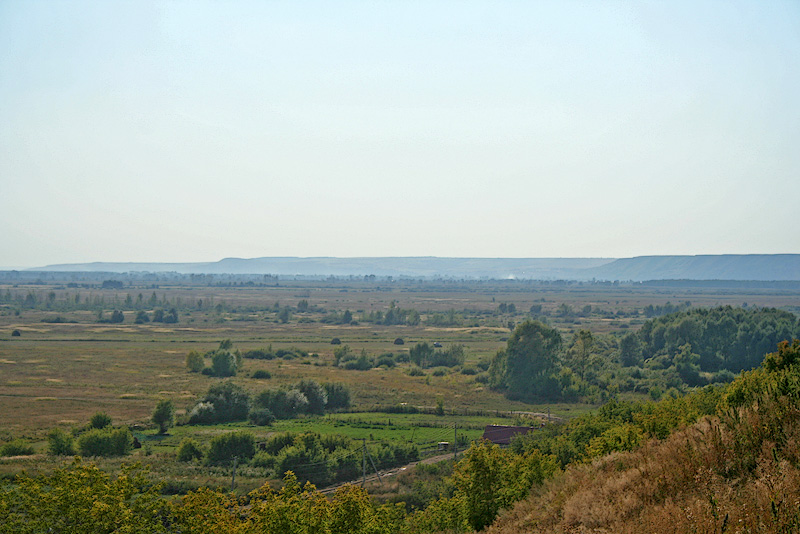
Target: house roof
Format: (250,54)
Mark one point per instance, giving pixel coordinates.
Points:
(501,434)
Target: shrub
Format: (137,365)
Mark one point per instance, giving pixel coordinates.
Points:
(450,357)
(59,443)
(399,341)
(259,354)
(202,413)
(263,459)
(16,333)
(439,371)
(100,420)
(469,371)
(282,403)
(415,371)
(338,395)
(105,442)
(225,446)
(315,394)
(16,448)
(482,378)
(261,417)
(309,462)
(224,402)
(261,374)
(189,450)
(141,317)
(386,359)
(195,362)
(334,341)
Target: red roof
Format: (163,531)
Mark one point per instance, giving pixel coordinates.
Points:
(501,434)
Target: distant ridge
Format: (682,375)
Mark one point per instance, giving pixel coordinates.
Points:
(414,267)
(760,267)
(756,267)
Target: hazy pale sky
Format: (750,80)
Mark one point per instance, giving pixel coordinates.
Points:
(193,131)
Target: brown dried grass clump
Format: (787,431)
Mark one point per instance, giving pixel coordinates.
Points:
(736,473)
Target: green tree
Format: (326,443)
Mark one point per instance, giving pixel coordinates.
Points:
(421,354)
(338,395)
(630,351)
(581,354)
(225,446)
(315,394)
(530,363)
(223,363)
(222,403)
(164,415)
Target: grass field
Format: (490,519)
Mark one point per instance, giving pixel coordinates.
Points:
(60,373)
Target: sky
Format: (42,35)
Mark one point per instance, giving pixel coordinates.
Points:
(193,131)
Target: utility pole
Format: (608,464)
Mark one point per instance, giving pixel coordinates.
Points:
(455,441)
(364,461)
(233,477)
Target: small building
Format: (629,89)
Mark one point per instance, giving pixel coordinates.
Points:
(502,434)
(444,446)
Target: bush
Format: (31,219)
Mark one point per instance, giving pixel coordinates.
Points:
(195,362)
(334,341)
(439,371)
(415,371)
(338,395)
(100,420)
(399,341)
(450,357)
(315,394)
(282,403)
(469,371)
(105,442)
(223,403)
(16,448)
(261,417)
(16,333)
(386,360)
(225,446)
(261,374)
(59,443)
(264,460)
(189,450)
(259,354)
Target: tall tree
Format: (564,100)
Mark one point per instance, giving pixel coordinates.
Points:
(530,362)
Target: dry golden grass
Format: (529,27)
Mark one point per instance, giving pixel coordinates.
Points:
(691,482)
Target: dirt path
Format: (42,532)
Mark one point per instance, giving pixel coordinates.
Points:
(389,472)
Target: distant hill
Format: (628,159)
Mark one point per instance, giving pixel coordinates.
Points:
(761,267)
(722,267)
(414,267)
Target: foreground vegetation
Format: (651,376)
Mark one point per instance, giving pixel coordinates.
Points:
(735,470)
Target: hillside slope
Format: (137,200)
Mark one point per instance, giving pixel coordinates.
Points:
(738,472)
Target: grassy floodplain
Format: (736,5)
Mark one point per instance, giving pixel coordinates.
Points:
(57,374)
